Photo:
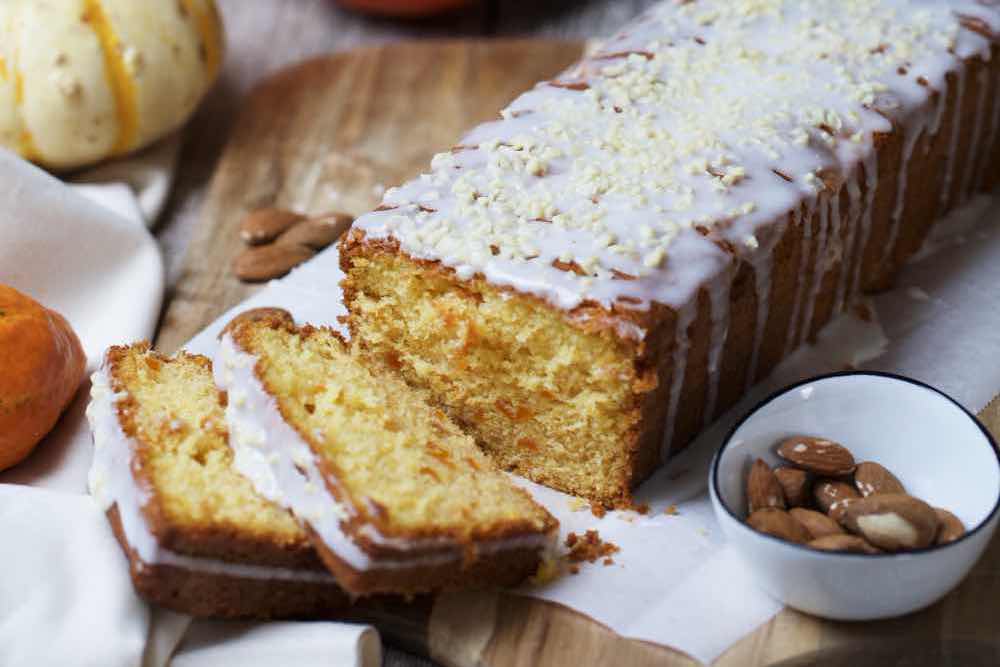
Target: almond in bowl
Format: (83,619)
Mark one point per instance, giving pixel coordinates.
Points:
(889,494)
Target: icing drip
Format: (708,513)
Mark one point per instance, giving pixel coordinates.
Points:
(977,134)
(991,143)
(853,217)
(820,265)
(682,345)
(951,158)
(719,294)
(762,282)
(804,221)
(910,141)
(871,183)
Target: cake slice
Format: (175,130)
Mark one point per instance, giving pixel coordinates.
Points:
(199,539)
(396,498)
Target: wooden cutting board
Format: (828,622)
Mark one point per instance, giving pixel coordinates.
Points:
(331,134)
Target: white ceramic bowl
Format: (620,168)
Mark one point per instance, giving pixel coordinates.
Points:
(940,453)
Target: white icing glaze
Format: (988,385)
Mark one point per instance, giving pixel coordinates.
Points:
(805,221)
(685,115)
(951,158)
(991,142)
(983,82)
(719,293)
(850,251)
(682,345)
(282,467)
(111,483)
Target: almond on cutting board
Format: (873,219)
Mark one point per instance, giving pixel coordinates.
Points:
(260,263)
(830,492)
(872,478)
(266,224)
(778,523)
(763,489)
(817,455)
(843,542)
(892,521)
(818,525)
(950,527)
(316,233)
(795,484)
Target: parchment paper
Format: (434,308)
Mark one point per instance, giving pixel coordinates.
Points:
(675,581)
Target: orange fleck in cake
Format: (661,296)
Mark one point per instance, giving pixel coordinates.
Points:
(396,498)
(199,539)
(587,282)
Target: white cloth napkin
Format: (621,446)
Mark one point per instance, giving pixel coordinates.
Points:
(65,594)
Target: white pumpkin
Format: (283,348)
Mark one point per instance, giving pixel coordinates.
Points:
(85,80)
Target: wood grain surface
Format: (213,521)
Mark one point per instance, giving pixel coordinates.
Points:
(329,134)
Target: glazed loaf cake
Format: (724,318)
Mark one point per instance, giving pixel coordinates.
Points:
(588,281)
(198,538)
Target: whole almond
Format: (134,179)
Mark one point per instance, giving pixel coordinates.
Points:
(763,489)
(818,525)
(892,521)
(843,542)
(269,261)
(316,233)
(266,224)
(871,478)
(778,523)
(255,314)
(795,484)
(950,528)
(827,492)
(817,455)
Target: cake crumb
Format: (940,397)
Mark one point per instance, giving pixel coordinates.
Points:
(588,547)
(577,504)
(641,508)
(609,561)
(671,510)
(598,510)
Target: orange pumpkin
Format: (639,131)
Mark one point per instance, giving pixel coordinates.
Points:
(41,366)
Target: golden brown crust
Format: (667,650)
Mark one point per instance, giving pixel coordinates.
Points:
(220,596)
(230,543)
(456,541)
(502,569)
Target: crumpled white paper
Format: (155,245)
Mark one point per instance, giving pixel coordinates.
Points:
(675,581)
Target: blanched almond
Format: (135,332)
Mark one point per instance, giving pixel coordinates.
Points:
(892,521)
(817,455)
